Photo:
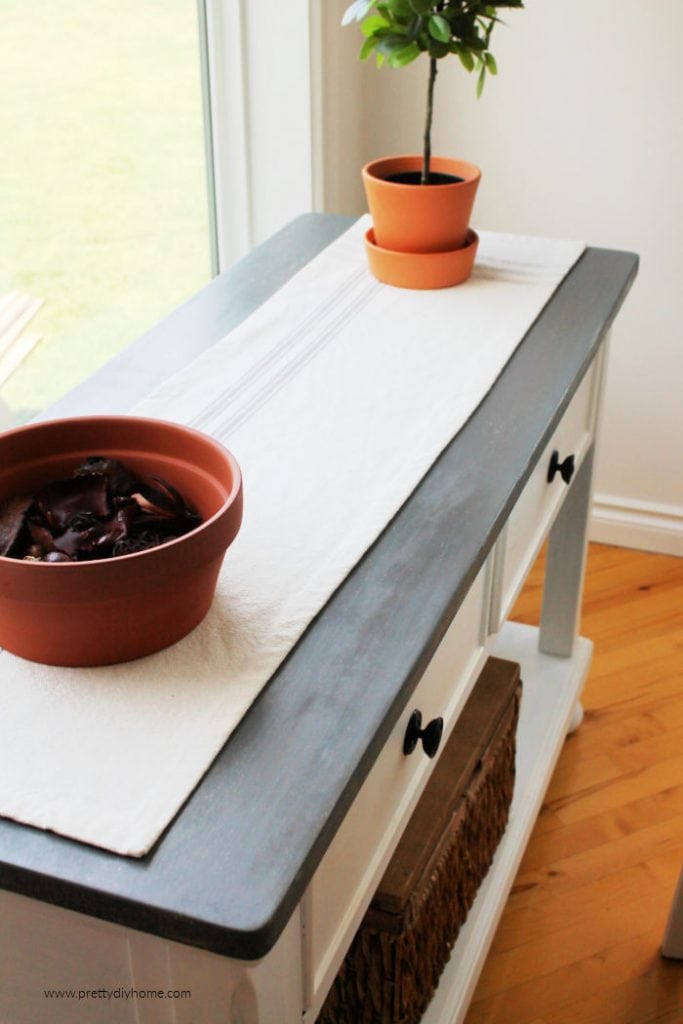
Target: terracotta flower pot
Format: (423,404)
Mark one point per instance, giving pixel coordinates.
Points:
(111,610)
(420,218)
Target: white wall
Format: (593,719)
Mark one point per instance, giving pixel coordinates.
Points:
(343,125)
(581,135)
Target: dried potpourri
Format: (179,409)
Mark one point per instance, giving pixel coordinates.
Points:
(101,511)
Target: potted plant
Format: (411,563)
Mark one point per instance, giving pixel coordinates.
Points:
(421,205)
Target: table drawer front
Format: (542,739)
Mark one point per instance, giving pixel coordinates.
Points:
(352,867)
(541,499)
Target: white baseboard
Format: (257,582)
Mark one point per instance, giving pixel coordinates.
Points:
(637,524)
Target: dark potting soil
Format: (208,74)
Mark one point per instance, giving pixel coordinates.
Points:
(413,178)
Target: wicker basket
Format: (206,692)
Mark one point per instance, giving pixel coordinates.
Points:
(393,966)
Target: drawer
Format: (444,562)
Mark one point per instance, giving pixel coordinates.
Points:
(540,501)
(353,864)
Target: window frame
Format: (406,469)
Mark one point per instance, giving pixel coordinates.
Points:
(261,83)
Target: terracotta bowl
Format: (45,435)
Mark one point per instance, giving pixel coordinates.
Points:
(111,610)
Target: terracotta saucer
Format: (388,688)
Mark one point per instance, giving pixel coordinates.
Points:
(421,269)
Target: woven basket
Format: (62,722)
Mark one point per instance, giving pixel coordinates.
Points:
(393,966)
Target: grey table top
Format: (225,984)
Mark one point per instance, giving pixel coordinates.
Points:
(230,869)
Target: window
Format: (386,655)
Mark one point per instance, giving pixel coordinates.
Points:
(104,224)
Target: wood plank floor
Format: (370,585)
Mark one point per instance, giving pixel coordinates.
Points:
(579,941)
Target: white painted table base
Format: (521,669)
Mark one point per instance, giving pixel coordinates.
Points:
(552,684)
(672,945)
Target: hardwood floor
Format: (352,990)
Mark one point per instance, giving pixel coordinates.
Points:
(579,941)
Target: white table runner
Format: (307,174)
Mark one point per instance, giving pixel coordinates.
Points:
(336,397)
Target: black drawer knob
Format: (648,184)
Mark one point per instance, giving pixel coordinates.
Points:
(565,468)
(430,735)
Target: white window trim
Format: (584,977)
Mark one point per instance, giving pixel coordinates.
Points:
(264,110)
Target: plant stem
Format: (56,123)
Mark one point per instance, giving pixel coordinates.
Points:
(427,146)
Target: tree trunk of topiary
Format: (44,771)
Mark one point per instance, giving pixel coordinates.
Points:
(427,144)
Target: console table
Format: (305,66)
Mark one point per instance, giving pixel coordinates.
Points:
(252,896)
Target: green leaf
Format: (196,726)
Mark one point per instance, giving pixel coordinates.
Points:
(421,6)
(476,43)
(389,43)
(400,58)
(466,58)
(367,48)
(490,62)
(480,80)
(415,27)
(439,28)
(437,49)
(357,11)
(372,24)
(400,8)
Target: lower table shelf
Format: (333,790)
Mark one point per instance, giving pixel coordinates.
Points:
(552,686)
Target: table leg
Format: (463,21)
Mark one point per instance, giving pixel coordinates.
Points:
(563,587)
(673,937)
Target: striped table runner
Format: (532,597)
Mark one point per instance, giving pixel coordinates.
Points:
(335,396)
